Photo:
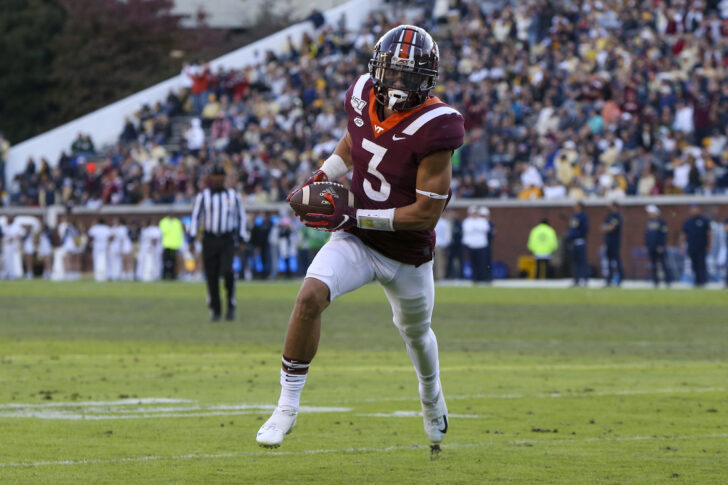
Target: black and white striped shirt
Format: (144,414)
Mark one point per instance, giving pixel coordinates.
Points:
(223,213)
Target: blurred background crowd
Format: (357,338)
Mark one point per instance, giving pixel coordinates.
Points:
(597,98)
(149,248)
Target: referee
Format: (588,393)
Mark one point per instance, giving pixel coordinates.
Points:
(223,227)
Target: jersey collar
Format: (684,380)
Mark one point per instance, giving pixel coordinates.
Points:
(379,127)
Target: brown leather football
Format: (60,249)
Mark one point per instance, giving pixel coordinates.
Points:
(311,199)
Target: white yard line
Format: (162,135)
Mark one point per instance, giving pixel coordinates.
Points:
(412,414)
(121,402)
(446,447)
(96,414)
(546,395)
(130,408)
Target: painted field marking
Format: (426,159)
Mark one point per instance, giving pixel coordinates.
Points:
(412,414)
(581,394)
(124,409)
(403,367)
(114,410)
(342,369)
(196,456)
(120,402)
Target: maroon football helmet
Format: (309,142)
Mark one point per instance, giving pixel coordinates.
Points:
(404,67)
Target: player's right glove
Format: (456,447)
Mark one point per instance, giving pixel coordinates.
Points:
(317,176)
(343,218)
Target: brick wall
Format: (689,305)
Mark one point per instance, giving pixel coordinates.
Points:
(513,225)
(513,221)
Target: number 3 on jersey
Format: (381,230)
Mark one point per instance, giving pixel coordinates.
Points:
(377,155)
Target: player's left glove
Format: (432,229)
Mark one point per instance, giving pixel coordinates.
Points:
(317,176)
(343,218)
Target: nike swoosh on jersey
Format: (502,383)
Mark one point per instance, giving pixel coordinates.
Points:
(397,138)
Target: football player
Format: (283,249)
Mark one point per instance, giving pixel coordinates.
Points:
(398,144)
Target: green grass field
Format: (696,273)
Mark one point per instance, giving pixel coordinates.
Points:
(129,383)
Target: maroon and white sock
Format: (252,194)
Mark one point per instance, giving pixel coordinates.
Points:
(293,378)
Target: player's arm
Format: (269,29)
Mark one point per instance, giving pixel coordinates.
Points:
(196,213)
(433,183)
(337,165)
(343,151)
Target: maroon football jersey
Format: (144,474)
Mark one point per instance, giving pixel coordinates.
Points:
(386,156)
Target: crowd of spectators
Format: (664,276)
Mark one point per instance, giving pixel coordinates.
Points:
(561,99)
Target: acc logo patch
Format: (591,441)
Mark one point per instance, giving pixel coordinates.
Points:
(358,122)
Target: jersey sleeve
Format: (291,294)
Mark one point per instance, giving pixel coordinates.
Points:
(445,132)
(353,103)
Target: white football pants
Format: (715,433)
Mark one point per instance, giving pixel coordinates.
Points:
(345,263)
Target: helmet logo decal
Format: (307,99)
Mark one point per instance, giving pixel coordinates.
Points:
(400,61)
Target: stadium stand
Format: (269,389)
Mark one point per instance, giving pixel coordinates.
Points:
(561,99)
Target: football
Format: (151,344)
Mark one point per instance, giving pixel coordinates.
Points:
(311,199)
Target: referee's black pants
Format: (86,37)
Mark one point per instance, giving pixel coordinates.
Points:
(217,256)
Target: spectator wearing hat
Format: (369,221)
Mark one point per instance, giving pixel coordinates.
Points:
(612,229)
(475,238)
(578,230)
(655,241)
(542,242)
(696,235)
(224,225)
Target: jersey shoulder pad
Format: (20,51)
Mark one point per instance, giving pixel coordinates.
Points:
(357,95)
(440,126)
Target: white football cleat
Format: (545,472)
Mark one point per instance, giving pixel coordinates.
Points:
(435,416)
(281,422)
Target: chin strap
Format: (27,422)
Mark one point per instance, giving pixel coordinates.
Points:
(395,96)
